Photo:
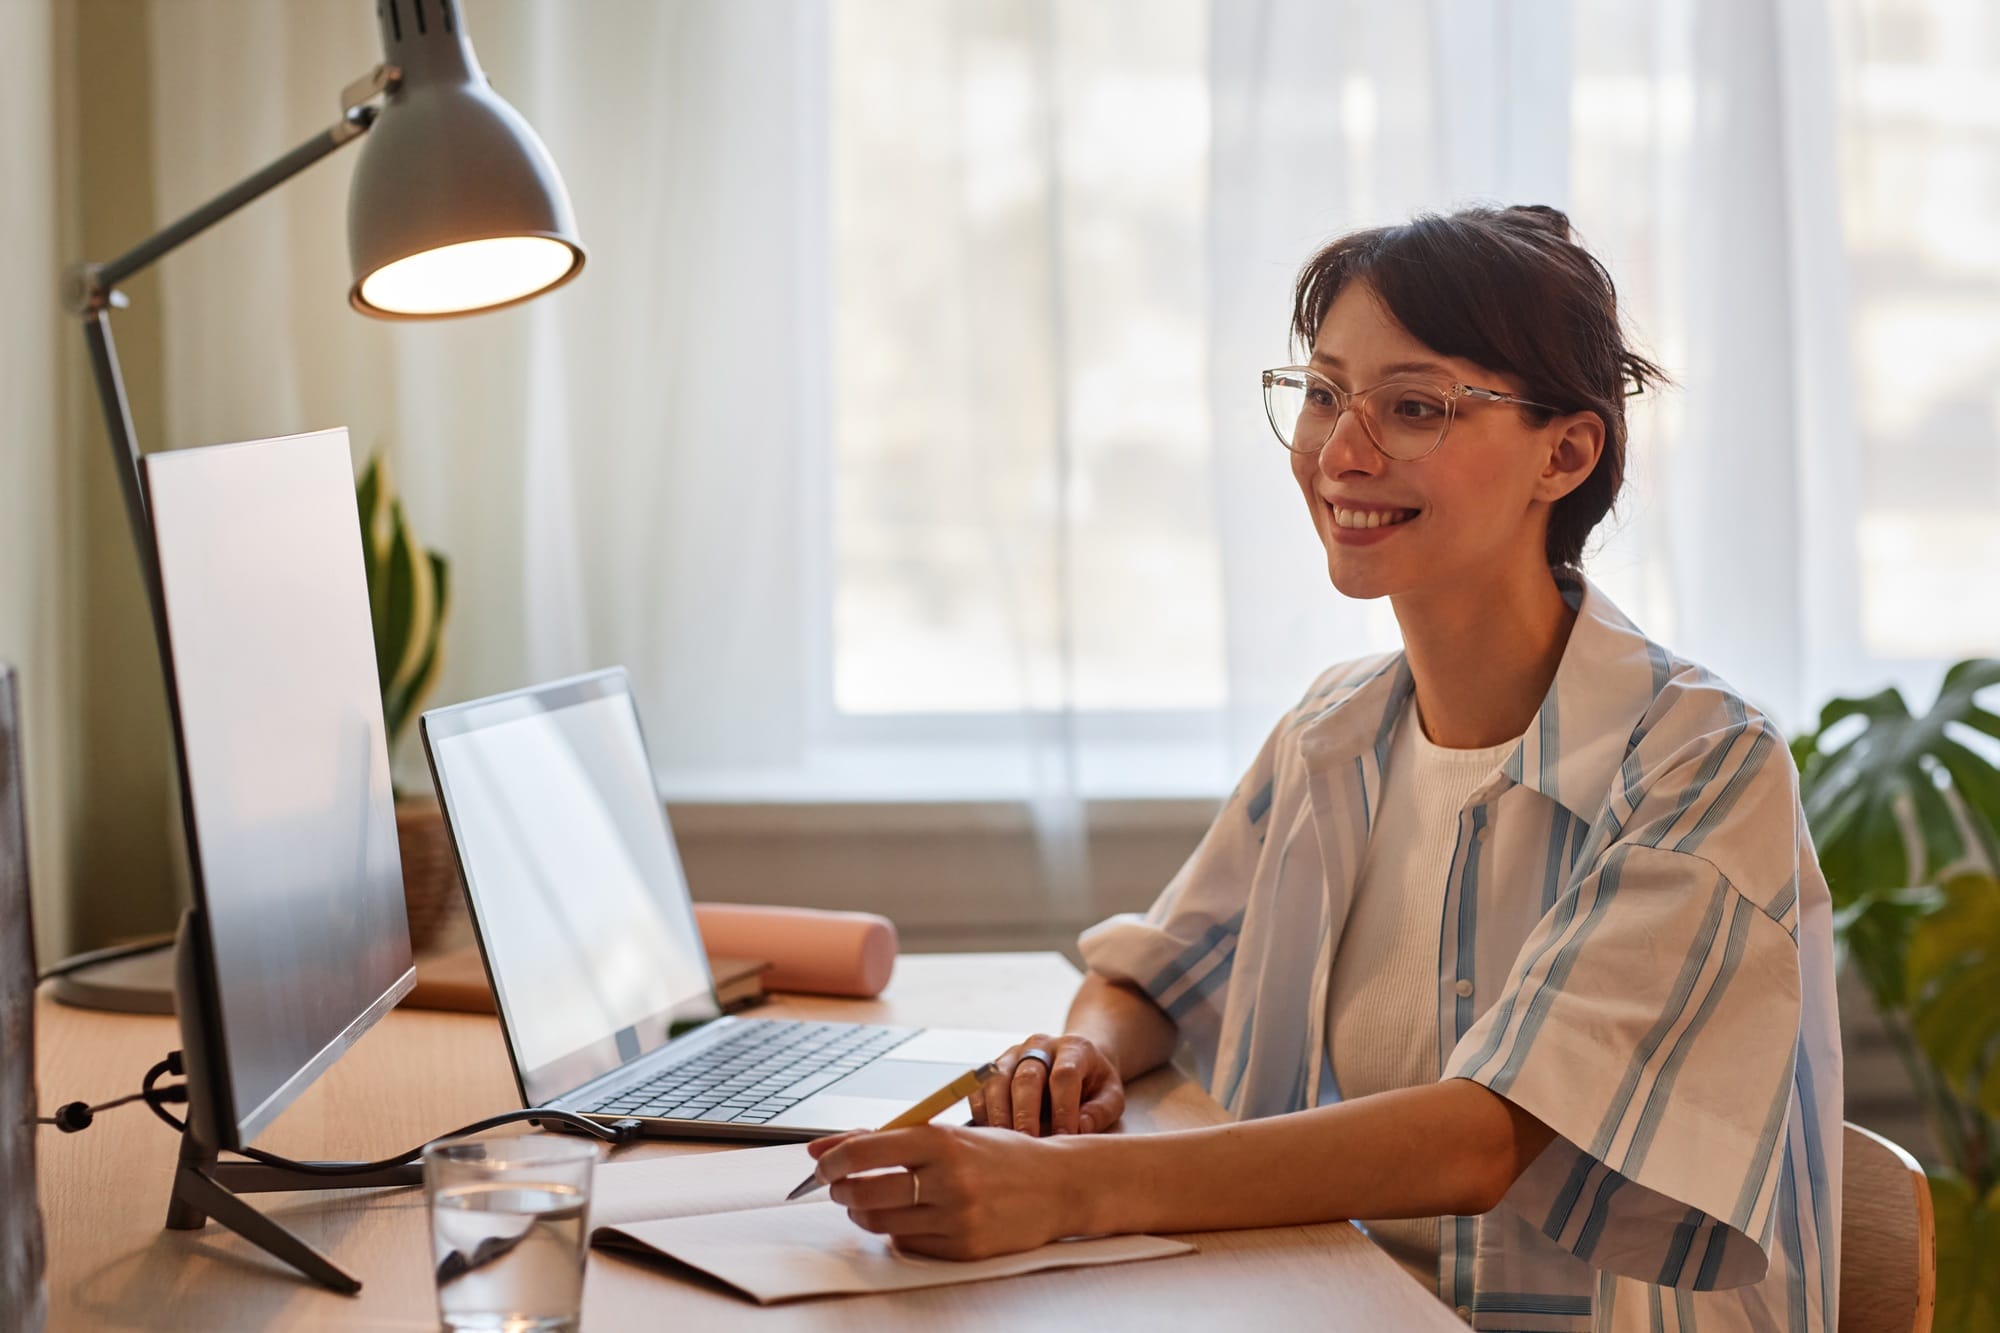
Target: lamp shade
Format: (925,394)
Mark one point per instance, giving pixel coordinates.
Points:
(455,205)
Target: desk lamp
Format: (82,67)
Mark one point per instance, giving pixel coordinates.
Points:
(455,208)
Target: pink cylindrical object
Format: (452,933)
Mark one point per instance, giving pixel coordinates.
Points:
(827,953)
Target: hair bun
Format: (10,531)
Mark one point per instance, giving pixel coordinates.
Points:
(1551,220)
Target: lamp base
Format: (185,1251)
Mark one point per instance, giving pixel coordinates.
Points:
(128,983)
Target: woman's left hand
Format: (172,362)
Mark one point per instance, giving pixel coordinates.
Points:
(955,1193)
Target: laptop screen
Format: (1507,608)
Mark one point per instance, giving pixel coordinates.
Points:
(576,889)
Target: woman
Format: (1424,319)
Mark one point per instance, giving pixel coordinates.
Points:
(1512,943)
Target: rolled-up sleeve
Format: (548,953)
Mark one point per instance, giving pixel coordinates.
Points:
(1181,949)
(1652,1021)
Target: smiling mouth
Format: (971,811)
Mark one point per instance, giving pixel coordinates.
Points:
(1370,518)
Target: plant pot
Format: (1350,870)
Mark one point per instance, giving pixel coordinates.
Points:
(431,892)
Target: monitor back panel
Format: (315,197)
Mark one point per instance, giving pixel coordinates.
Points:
(285,762)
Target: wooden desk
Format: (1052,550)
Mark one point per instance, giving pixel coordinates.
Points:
(113,1266)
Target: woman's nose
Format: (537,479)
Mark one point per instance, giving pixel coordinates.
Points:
(1348,448)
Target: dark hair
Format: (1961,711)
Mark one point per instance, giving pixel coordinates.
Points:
(1509,289)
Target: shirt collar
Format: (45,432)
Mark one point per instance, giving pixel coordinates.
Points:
(1609,674)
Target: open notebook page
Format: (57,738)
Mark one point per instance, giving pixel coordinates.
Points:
(723,1213)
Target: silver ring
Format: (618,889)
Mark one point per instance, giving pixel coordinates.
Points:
(1036,1053)
(916,1190)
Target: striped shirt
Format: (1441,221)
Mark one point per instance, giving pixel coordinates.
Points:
(1635,947)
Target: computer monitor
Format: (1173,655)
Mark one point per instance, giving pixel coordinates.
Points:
(298,928)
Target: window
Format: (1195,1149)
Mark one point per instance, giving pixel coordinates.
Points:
(1058,234)
(1920,169)
(1020,516)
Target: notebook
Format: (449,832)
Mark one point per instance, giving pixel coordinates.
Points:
(721,1213)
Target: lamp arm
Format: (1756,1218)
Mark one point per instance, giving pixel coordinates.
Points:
(91,292)
(125,452)
(91,285)
(351,125)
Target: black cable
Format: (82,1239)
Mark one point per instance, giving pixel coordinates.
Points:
(617,1133)
(74,1116)
(77,1116)
(613,1134)
(156,1098)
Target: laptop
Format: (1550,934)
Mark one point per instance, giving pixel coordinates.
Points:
(590,941)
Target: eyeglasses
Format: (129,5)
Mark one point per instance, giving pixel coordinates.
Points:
(1405,419)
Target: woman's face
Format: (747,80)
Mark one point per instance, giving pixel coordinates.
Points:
(1472,510)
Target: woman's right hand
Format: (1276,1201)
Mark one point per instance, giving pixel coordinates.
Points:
(1085,1094)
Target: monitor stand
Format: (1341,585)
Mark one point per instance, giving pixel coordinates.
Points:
(206,1188)
(124,979)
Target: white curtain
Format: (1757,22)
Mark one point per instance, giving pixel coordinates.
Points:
(613,472)
(902,434)
(1690,141)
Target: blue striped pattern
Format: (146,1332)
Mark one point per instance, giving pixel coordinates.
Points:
(1662,1094)
(1260,804)
(1642,1054)
(1635,897)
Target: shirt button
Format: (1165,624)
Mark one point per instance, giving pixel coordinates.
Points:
(1464,986)
(1465,1313)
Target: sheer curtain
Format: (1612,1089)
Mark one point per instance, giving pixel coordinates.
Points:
(902,435)
(1690,141)
(613,472)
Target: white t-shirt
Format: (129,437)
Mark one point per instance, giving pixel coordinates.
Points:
(1382,1003)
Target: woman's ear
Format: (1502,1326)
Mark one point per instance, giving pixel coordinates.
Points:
(1576,441)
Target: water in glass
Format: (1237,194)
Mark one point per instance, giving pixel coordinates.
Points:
(509,1257)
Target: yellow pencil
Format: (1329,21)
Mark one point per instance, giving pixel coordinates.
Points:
(920,1114)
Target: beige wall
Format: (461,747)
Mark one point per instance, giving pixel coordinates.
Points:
(75,181)
(962,875)
(125,868)
(33,475)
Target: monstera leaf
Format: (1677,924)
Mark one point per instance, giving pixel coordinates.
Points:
(1853,779)
(1968,1236)
(1895,803)
(1953,975)
(1874,929)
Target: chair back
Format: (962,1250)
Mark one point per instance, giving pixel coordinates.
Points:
(22,1302)
(1888,1240)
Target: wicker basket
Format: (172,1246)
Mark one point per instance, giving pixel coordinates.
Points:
(431,892)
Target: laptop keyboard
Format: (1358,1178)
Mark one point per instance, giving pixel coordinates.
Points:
(760,1070)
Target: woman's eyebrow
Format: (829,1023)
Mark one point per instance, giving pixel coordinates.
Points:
(1398,368)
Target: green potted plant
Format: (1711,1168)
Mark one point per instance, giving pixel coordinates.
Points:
(409,592)
(1905,815)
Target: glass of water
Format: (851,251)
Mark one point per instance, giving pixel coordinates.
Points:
(509,1222)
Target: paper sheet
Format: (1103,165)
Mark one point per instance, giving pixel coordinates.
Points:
(694,1184)
(715,1213)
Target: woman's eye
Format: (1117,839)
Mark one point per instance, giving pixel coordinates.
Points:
(1320,398)
(1417,408)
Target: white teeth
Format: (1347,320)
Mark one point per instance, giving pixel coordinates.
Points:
(1371,518)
